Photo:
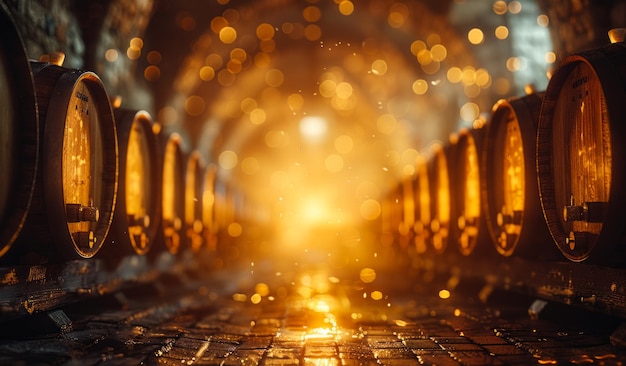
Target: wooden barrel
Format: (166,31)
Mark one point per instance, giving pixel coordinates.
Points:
(391,217)
(470,233)
(422,206)
(79,162)
(138,209)
(407,219)
(194,175)
(509,185)
(209,222)
(19,133)
(441,202)
(172,195)
(581,154)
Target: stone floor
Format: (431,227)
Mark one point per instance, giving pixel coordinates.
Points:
(255,315)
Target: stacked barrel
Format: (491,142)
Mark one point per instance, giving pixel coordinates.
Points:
(83,178)
(540,179)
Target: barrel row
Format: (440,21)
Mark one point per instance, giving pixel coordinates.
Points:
(542,178)
(82,178)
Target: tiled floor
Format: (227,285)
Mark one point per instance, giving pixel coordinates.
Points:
(252,316)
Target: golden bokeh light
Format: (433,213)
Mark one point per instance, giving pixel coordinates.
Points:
(250,165)
(111,55)
(228,35)
(265,31)
(334,163)
(311,13)
(228,159)
(501,32)
(344,144)
(475,36)
(370,209)
(367,275)
(346,7)
(312,119)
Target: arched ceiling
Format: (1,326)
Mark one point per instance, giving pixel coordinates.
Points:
(332,101)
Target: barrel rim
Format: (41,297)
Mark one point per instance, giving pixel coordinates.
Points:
(125,119)
(466,137)
(173,143)
(525,109)
(440,154)
(194,172)
(612,83)
(52,160)
(209,179)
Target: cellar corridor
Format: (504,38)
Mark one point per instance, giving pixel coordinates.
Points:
(312,182)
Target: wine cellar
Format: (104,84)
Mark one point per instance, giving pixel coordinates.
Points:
(312,182)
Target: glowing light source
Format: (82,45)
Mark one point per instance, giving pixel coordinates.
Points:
(370,209)
(228,159)
(228,35)
(346,7)
(313,129)
(367,275)
(475,36)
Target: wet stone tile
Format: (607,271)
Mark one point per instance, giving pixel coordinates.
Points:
(191,343)
(233,339)
(253,356)
(320,342)
(487,339)
(384,353)
(461,347)
(324,361)
(384,342)
(281,362)
(504,349)
(475,358)
(399,362)
(437,360)
(283,353)
(254,342)
(358,362)
(320,352)
(421,344)
(218,351)
(450,340)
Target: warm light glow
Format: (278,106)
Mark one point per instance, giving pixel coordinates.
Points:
(502,32)
(346,7)
(379,67)
(250,165)
(370,209)
(334,163)
(111,55)
(313,129)
(194,105)
(367,275)
(228,35)
(235,229)
(475,36)
(420,87)
(228,159)
(344,144)
(265,31)
(469,112)
(386,124)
